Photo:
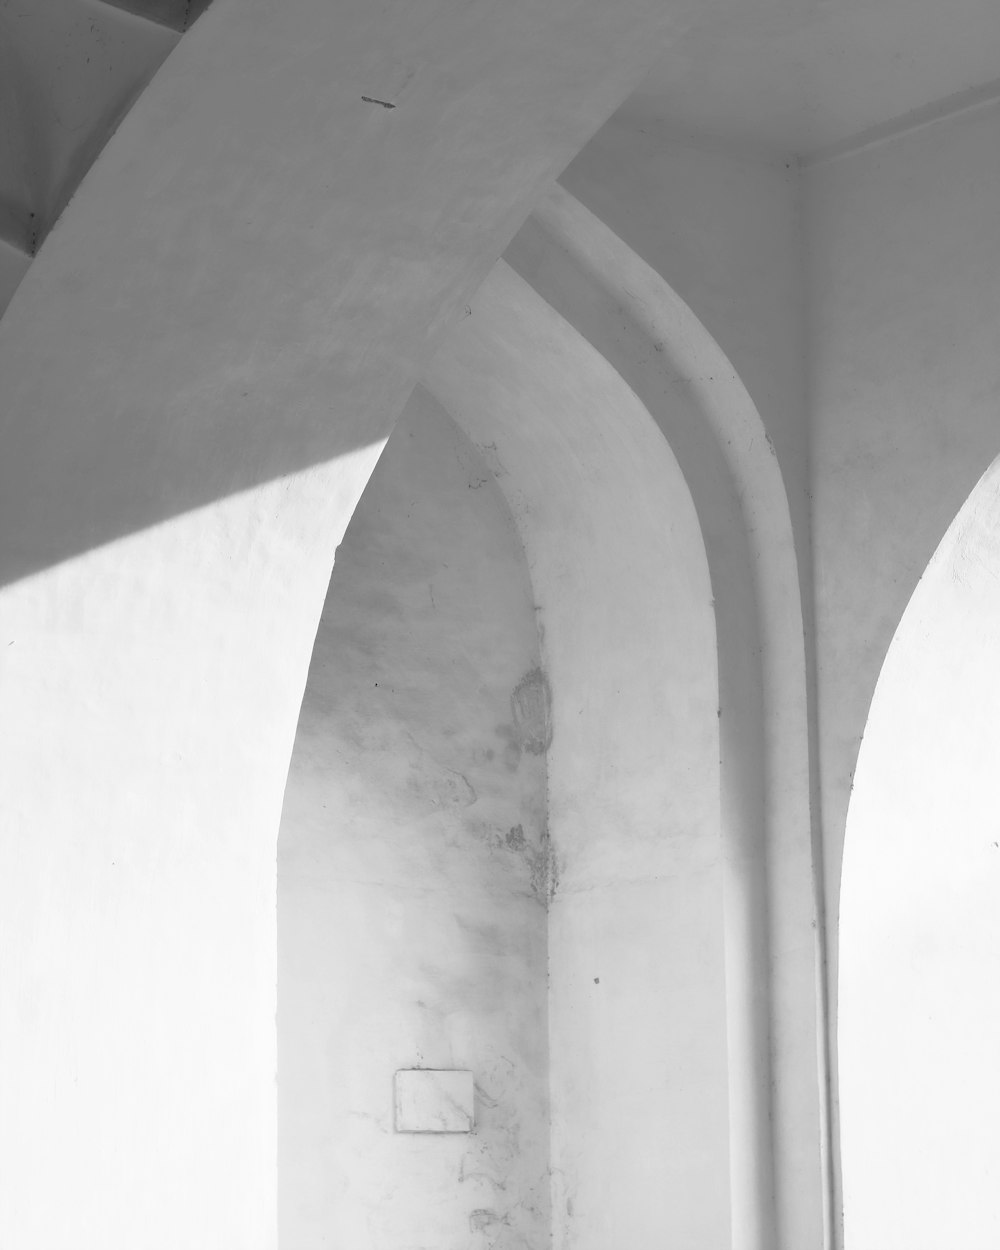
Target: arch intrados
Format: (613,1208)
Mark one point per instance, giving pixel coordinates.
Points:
(631,316)
(621,576)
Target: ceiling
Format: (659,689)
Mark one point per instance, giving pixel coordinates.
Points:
(792,76)
(802,76)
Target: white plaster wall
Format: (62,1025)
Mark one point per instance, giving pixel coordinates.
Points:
(638,1006)
(903,273)
(197,372)
(773,972)
(905,382)
(722,225)
(920,925)
(723,228)
(413,872)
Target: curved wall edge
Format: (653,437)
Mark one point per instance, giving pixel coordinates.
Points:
(650,336)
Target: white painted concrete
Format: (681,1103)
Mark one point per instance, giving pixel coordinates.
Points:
(903,270)
(413,872)
(244,288)
(920,925)
(138,905)
(637,965)
(722,227)
(774,983)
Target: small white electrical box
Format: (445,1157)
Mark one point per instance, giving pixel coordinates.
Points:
(429,1100)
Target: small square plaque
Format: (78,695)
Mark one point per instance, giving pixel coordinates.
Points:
(429,1100)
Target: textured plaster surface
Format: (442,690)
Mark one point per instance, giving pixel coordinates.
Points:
(638,1007)
(920,925)
(412,871)
(903,272)
(905,385)
(198,371)
(629,314)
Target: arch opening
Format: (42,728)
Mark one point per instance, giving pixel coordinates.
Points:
(612,896)
(919,1004)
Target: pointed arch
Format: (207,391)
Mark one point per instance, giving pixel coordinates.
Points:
(637,1023)
(775,964)
(919,1004)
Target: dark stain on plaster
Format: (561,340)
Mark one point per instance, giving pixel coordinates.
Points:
(552,885)
(543,868)
(448,788)
(436,781)
(543,873)
(489,453)
(531,709)
(483,1219)
(386,104)
(487,1173)
(487,1101)
(516,839)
